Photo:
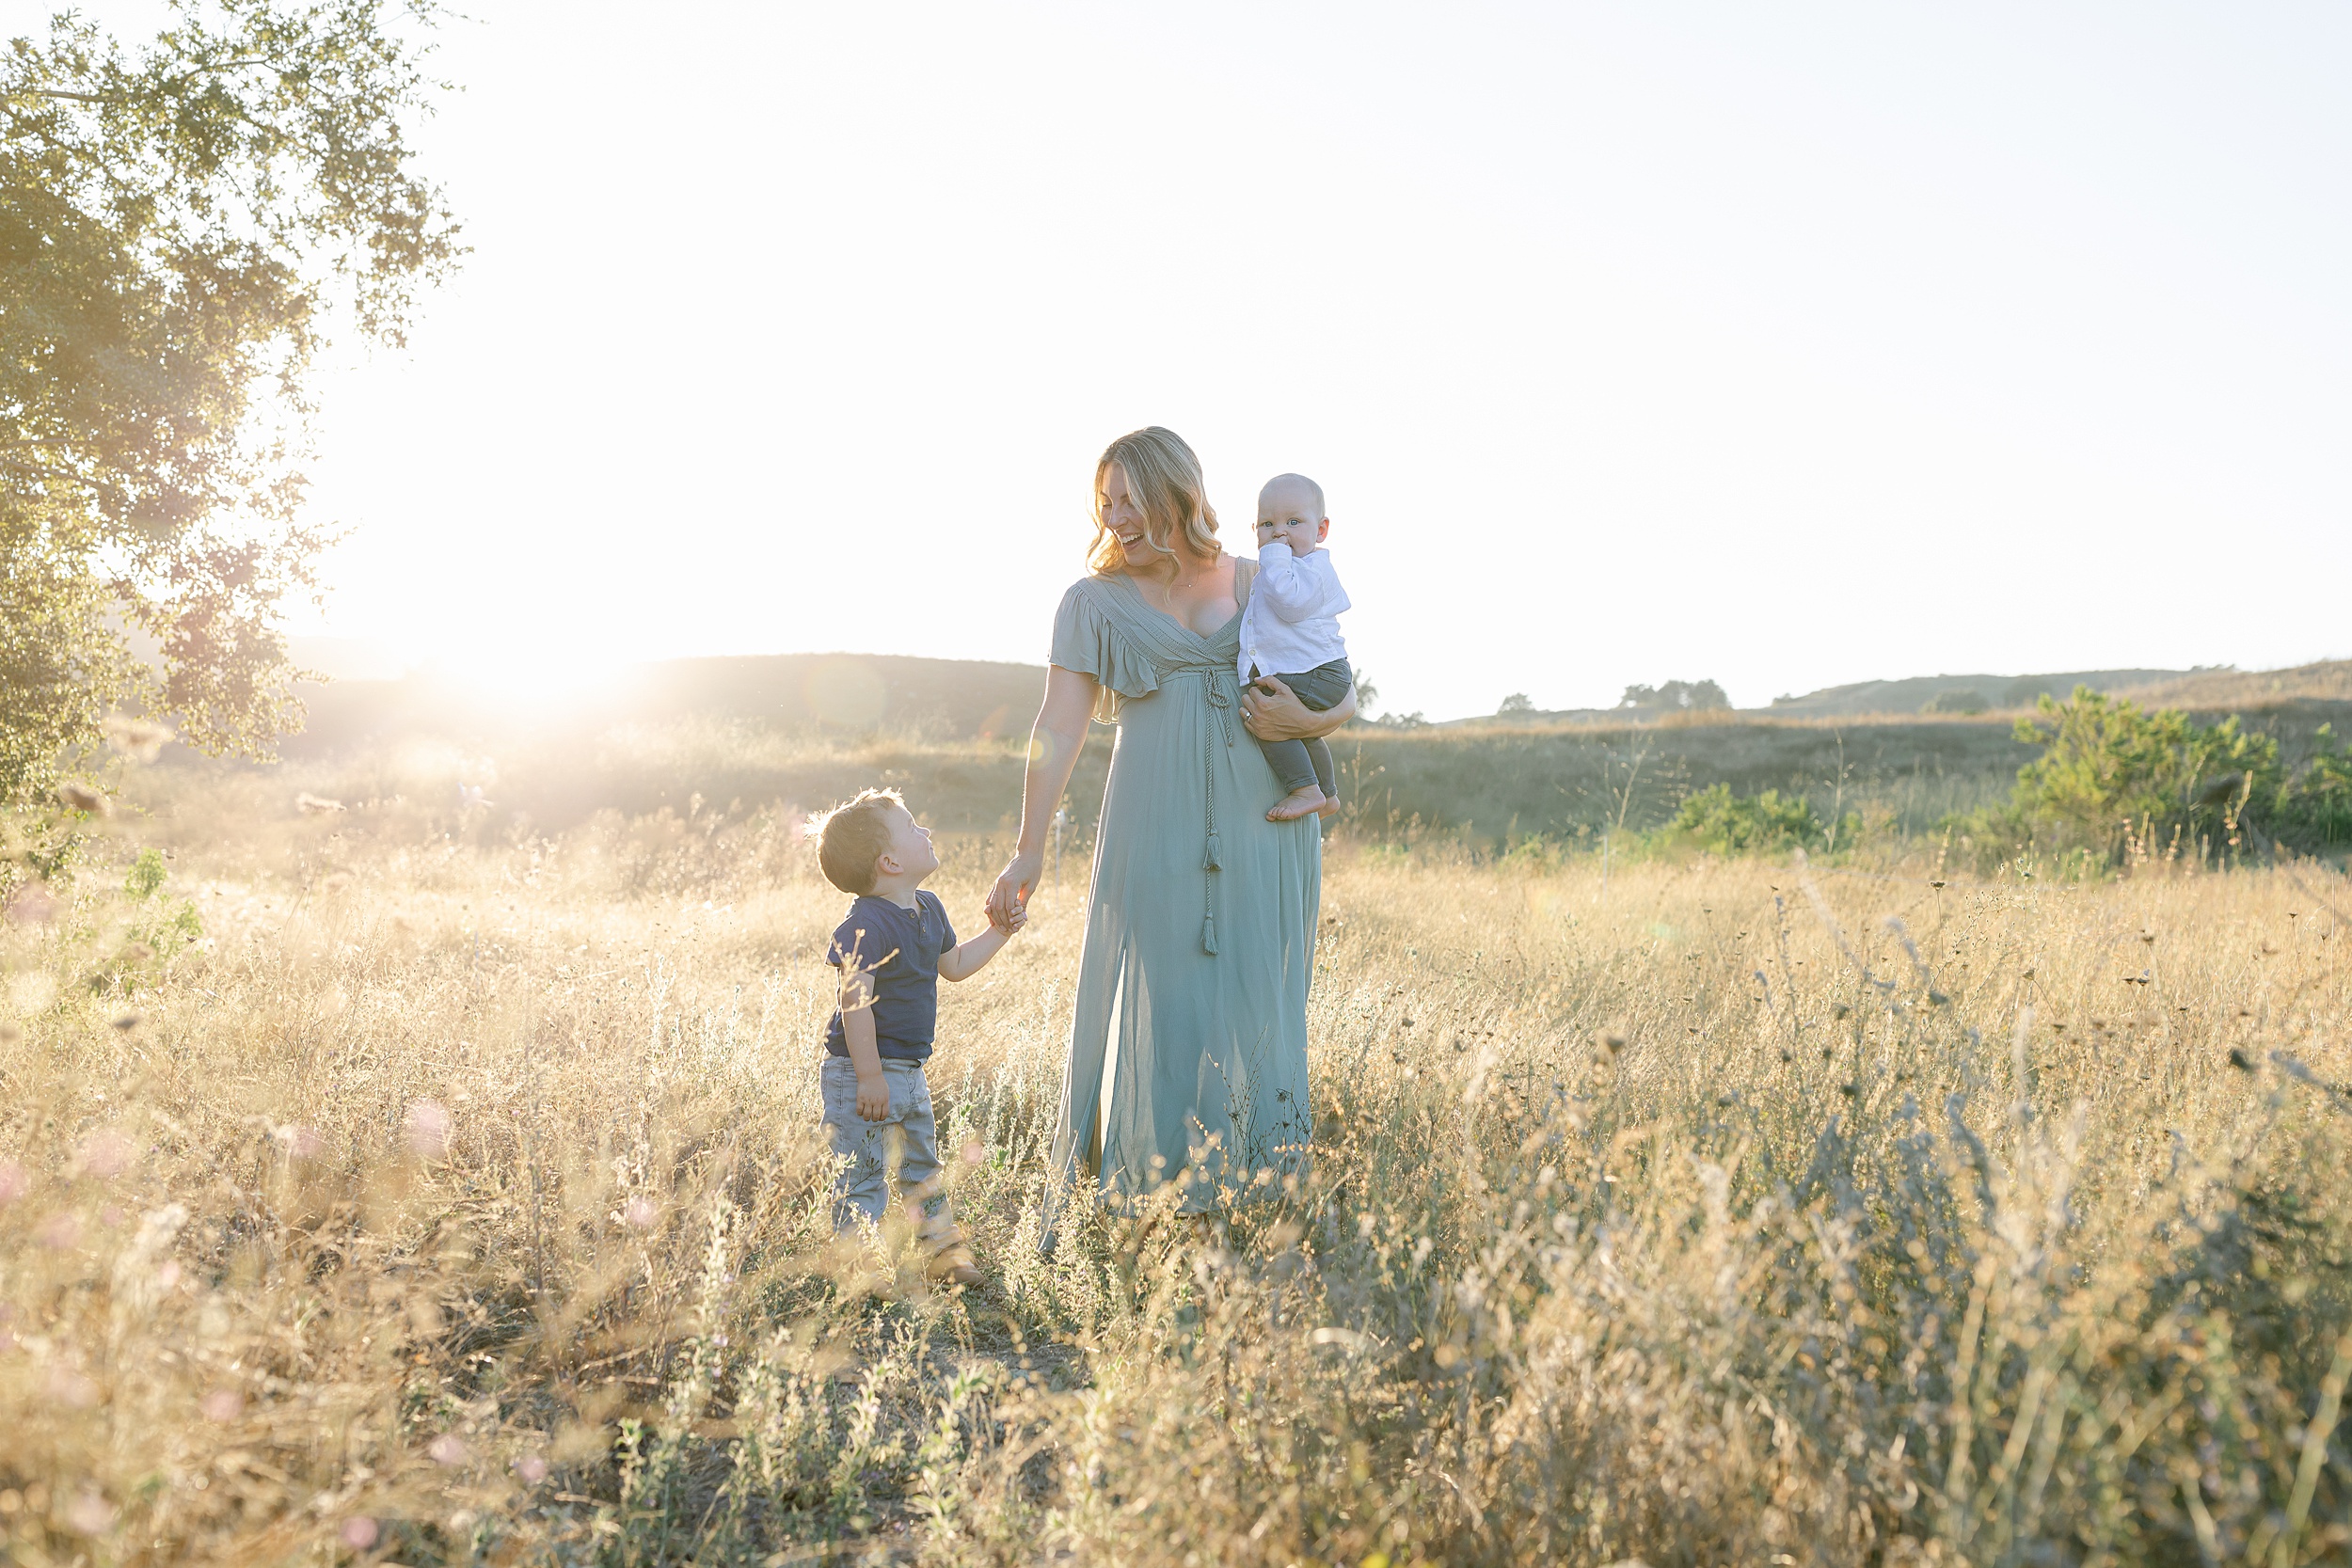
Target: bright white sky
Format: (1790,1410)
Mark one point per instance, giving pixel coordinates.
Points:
(1782,344)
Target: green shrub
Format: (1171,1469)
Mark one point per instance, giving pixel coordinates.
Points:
(1722,823)
(2312,809)
(37,842)
(148,874)
(2110,774)
(2109,769)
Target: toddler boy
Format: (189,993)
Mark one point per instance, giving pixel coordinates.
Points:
(1290,630)
(891,949)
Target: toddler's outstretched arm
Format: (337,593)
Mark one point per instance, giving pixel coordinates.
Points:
(967,958)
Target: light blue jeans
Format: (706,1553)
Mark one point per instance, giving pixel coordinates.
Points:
(905,1137)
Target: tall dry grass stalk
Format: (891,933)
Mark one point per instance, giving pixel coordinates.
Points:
(452,1204)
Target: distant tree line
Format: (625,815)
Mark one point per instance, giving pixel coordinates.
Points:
(1676,696)
(1673,697)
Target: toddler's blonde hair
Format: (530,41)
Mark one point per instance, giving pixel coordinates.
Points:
(851,837)
(1164,477)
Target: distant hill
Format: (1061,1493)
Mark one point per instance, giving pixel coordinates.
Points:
(1959,695)
(946,699)
(937,699)
(805,730)
(2220,688)
(2205,690)
(1998,691)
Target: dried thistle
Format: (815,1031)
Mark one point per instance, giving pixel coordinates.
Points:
(137,739)
(79,797)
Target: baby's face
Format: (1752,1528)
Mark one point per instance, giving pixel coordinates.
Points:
(1288,512)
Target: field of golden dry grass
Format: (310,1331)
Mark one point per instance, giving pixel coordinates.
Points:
(456,1201)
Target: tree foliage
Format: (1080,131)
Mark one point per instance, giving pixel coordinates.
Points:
(178,224)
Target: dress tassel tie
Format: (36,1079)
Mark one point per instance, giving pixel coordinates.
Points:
(1223,695)
(1218,686)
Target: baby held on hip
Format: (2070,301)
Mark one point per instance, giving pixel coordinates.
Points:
(1290,630)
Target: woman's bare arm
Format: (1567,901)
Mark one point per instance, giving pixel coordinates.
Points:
(1055,742)
(1279,715)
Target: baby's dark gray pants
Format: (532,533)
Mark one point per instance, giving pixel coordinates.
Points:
(1300,762)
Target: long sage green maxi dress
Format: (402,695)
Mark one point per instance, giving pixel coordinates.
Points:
(1189,1055)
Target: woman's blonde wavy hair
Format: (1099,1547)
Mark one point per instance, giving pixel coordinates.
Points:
(1164,477)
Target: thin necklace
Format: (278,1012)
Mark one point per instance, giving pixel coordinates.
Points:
(1167,595)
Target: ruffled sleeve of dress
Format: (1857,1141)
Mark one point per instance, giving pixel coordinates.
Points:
(1087,638)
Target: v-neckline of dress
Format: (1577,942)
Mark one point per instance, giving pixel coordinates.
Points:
(1240,606)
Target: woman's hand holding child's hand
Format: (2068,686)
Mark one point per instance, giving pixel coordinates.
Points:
(1009,901)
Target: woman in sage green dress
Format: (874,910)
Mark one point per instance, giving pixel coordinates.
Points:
(1189,1054)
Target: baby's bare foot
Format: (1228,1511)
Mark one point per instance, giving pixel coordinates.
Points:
(1297,804)
(1330,806)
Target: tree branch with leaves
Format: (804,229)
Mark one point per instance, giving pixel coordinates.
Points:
(181,225)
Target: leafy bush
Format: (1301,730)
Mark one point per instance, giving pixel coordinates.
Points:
(2109,769)
(2112,775)
(147,876)
(1722,823)
(2312,810)
(40,841)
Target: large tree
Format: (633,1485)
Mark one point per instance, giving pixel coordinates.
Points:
(180,224)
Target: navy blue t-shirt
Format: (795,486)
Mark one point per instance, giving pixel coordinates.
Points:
(902,948)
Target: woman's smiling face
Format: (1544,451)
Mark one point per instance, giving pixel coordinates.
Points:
(1124,517)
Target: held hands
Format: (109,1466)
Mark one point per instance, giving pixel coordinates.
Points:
(1009,901)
